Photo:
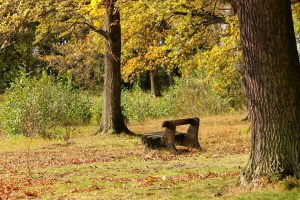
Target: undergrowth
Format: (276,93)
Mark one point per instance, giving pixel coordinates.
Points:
(187,97)
(37,106)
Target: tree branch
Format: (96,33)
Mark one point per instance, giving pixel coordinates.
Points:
(97,30)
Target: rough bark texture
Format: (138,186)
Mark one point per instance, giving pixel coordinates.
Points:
(112,119)
(272,75)
(155,87)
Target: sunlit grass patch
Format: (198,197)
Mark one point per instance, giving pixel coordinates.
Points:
(22,143)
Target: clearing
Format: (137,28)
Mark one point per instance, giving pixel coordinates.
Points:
(115,167)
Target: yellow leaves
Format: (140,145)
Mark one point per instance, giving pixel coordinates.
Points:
(182,46)
(219,62)
(49,58)
(96,3)
(296,18)
(153,57)
(89,37)
(97,24)
(153,53)
(97,12)
(132,67)
(94,12)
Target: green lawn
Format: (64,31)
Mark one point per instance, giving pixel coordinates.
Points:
(116,167)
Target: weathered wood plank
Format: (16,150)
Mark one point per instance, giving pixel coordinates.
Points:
(178,122)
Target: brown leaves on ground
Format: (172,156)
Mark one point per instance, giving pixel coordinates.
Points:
(14,167)
(7,190)
(217,140)
(148,181)
(89,189)
(31,194)
(11,191)
(72,155)
(186,177)
(166,156)
(194,176)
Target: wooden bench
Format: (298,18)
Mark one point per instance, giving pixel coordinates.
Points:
(168,138)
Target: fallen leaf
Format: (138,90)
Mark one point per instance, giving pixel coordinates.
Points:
(31,194)
(150,179)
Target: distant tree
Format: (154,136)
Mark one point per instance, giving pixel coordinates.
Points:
(272,73)
(58,23)
(155,87)
(185,37)
(92,16)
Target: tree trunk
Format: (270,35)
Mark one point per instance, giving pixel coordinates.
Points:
(155,87)
(112,119)
(272,73)
(171,79)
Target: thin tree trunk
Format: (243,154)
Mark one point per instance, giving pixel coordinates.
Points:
(272,73)
(112,120)
(155,87)
(171,79)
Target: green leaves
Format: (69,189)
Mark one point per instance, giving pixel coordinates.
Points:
(36,106)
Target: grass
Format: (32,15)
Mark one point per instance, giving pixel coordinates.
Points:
(116,167)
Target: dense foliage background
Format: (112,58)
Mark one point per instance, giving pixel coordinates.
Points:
(51,57)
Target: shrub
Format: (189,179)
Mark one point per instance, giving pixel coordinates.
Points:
(97,108)
(191,97)
(187,97)
(36,106)
(138,105)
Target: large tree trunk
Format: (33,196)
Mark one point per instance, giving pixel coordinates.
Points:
(272,75)
(112,119)
(155,87)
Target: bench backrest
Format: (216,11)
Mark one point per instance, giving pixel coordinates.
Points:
(179,122)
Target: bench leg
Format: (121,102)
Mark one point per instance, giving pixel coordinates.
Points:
(169,140)
(191,138)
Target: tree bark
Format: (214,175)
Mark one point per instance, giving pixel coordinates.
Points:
(155,87)
(112,120)
(272,73)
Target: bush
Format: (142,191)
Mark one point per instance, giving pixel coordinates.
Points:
(36,106)
(97,108)
(191,97)
(138,105)
(188,97)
